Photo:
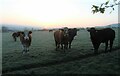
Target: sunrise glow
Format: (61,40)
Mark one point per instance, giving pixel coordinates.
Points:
(54,13)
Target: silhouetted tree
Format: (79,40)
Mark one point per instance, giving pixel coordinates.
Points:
(101,8)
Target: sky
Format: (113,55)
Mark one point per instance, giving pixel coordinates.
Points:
(55,13)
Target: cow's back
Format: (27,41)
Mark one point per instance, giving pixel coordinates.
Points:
(105,34)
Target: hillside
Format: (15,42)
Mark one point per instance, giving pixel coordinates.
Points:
(6,27)
(109,26)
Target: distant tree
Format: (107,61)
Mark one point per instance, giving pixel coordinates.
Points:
(101,8)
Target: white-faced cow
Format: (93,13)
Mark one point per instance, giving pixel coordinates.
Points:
(26,38)
(101,36)
(61,38)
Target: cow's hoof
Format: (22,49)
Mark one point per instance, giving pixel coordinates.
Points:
(23,52)
(105,52)
(110,51)
(62,48)
(56,49)
(66,48)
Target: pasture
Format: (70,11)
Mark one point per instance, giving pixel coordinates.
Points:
(43,59)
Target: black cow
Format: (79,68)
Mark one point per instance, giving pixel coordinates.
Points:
(72,34)
(15,35)
(101,36)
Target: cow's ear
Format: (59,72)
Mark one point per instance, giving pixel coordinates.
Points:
(30,32)
(69,29)
(22,32)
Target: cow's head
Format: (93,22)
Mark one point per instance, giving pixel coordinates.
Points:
(72,32)
(26,35)
(65,30)
(75,31)
(18,33)
(92,31)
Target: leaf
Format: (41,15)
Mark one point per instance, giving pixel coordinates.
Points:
(102,10)
(101,5)
(95,9)
(113,8)
(94,6)
(107,2)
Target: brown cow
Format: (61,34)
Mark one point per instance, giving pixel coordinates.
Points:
(61,38)
(26,38)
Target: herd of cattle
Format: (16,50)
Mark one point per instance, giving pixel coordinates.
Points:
(64,37)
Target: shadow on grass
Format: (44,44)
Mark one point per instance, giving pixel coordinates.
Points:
(50,63)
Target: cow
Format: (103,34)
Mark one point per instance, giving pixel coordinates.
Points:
(15,35)
(72,33)
(61,38)
(101,36)
(50,30)
(25,39)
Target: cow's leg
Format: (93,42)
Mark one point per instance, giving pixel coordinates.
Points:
(56,44)
(96,46)
(14,38)
(111,44)
(27,49)
(106,46)
(70,41)
(69,45)
(62,46)
(66,46)
(23,49)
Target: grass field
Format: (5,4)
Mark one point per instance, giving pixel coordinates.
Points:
(43,59)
